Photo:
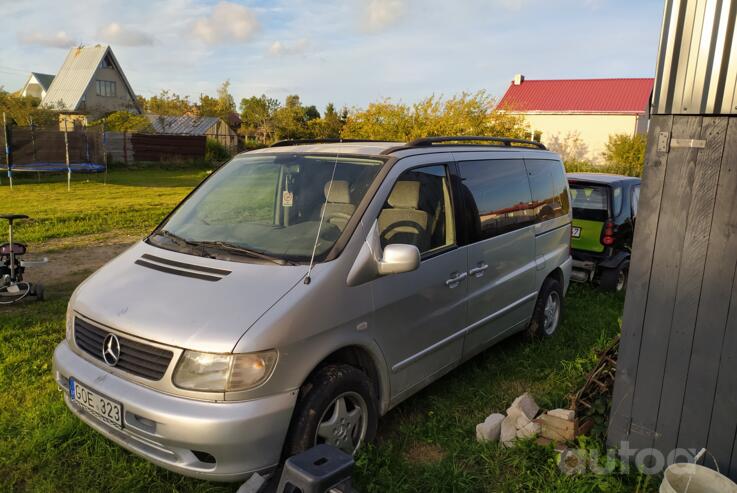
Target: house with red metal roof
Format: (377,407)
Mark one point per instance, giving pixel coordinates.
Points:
(576,116)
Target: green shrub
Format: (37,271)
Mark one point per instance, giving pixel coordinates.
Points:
(625,154)
(215,152)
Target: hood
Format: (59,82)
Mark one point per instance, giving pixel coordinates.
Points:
(183,300)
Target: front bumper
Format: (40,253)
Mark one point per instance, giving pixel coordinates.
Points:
(243,437)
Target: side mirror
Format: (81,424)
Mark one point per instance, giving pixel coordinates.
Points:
(399,258)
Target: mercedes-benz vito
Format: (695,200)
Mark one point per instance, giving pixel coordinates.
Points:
(303,290)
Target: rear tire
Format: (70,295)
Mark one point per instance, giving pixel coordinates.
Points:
(337,405)
(614,279)
(548,310)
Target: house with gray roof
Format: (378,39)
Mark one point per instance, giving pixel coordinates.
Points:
(210,126)
(91,82)
(36,85)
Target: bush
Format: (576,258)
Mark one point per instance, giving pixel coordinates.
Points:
(625,154)
(215,152)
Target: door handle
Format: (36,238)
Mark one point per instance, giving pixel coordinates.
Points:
(456,279)
(479,270)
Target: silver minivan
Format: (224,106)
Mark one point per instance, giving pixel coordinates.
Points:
(302,291)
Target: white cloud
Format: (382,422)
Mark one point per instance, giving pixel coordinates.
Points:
(278,48)
(381,14)
(116,34)
(58,40)
(228,22)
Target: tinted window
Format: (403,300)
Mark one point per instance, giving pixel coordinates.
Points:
(549,189)
(497,195)
(419,211)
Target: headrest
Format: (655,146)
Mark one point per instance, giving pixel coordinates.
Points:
(339,192)
(406,195)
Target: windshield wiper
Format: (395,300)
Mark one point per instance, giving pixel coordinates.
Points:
(239,250)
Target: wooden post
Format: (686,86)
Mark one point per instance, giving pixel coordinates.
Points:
(104,152)
(66,151)
(125,148)
(8,157)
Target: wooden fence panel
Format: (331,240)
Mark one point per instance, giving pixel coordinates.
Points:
(168,147)
(676,197)
(690,278)
(639,282)
(711,319)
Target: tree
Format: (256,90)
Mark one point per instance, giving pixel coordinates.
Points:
(123,121)
(257,114)
(464,114)
(168,104)
(24,110)
(290,120)
(221,106)
(571,147)
(327,127)
(626,153)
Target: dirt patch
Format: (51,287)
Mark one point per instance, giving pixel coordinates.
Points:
(424,453)
(72,264)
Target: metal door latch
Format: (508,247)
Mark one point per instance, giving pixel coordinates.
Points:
(665,142)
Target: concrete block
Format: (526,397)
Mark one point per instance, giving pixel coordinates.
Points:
(490,429)
(526,404)
(254,484)
(567,414)
(509,430)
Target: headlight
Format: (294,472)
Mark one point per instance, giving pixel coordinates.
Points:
(223,372)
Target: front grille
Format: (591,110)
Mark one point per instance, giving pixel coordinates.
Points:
(135,357)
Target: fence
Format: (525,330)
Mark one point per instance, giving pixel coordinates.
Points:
(127,148)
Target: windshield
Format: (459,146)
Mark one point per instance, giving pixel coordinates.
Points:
(590,202)
(270,206)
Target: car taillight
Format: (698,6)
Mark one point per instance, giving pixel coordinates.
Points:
(607,238)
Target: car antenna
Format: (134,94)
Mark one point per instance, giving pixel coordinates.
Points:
(308,279)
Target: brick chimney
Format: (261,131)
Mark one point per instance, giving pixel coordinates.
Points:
(518,79)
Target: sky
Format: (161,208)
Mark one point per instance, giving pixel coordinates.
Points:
(349,52)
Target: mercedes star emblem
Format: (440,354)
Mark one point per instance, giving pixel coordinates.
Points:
(111,349)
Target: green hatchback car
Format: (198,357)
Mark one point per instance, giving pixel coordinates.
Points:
(604,215)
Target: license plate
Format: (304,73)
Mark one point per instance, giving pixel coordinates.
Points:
(576,232)
(96,404)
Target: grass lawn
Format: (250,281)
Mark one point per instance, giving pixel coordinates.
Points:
(425,444)
(130,204)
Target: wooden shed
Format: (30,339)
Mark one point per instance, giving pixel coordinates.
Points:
(676,383)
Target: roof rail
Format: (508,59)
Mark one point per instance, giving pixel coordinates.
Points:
(429,141)
(505,141)
(296,142)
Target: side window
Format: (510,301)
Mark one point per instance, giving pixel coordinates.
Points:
(635,199)
(419,210)
(497,195)
(616,201)
(549,189)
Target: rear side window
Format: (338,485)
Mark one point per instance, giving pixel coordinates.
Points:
(635,199)
(549,189)
(590,202)
(497,195)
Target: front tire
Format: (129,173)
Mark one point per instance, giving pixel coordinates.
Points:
(338,406)
(548,310)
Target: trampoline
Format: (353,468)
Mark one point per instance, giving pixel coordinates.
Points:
(60,167)
(52,150)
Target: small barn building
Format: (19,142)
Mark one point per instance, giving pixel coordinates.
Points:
(210,126)
(589,110)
